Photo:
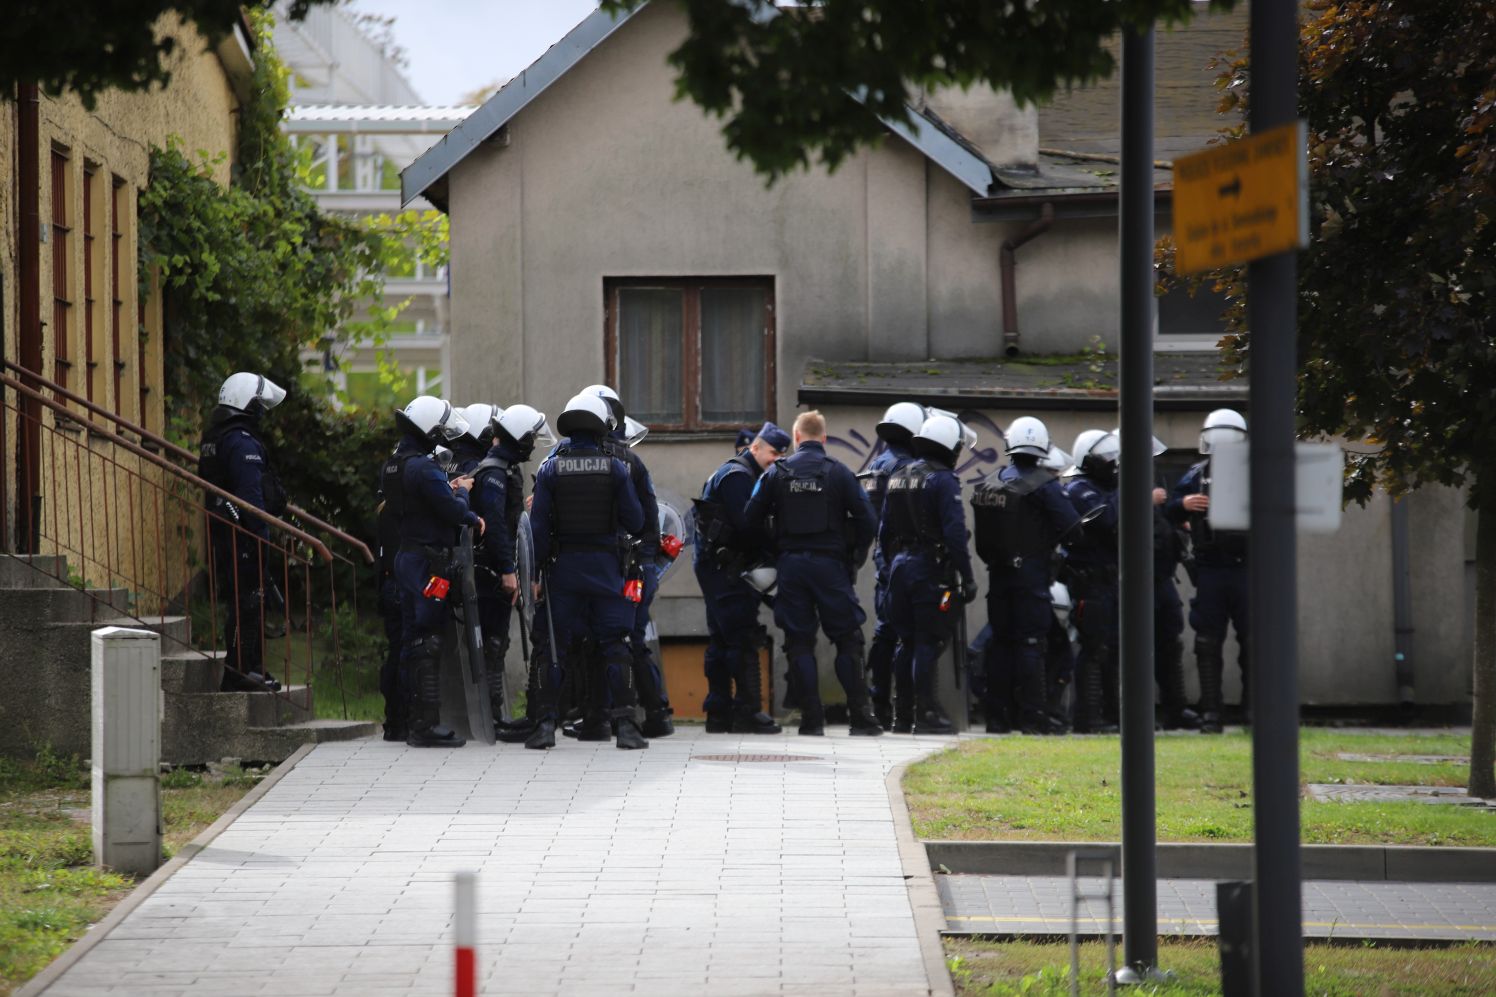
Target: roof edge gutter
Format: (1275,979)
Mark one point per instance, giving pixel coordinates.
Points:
(1007,259)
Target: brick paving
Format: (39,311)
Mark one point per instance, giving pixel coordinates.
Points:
(600,871)
(1040,905)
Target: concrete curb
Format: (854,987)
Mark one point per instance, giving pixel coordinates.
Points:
(924,898)
(98,932)
(1190,860)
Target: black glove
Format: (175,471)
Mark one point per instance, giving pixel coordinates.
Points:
(967,592)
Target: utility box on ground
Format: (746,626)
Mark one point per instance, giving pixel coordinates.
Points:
(126,749)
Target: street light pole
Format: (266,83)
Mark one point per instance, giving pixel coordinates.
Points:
(1272,319)
(1139,867)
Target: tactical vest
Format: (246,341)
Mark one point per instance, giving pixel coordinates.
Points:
(874,482)
(908,514)
(212,468)
(584,494)
(804,498)
(712,525)
(1208,541)
(1007,519)
(392,483)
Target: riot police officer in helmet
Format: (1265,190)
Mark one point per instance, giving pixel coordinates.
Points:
(896,429)
(431,509)
(823,527)
(1021,514)
(584,512)
(1220,567)
(498,496)
(1090,572)
(725,547)
(233,456)
(929,578)
(472,446)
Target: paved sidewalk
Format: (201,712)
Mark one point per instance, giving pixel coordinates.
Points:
(600,871)
(1040,905)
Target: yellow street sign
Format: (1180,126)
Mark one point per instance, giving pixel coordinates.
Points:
(1242,201)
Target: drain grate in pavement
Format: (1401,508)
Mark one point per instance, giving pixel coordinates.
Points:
(1361,793)
(757,758)
(1349,756)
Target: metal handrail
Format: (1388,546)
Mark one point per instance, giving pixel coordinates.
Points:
(179,451)
(180,472)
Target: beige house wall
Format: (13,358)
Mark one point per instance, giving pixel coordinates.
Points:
(102,507)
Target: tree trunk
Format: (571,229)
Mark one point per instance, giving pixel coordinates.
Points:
(1483,725)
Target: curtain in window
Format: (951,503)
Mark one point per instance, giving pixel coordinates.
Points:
(732,354)
(650,345)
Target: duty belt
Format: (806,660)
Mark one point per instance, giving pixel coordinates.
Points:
(426,550)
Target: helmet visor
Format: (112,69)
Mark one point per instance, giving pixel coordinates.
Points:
(269,393)
(453,426)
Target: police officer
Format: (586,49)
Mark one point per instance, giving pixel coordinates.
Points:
(585,511)
(896,430)
(472,446)
(431,508)
(498,496)
(1221,570)
(646,567)
(743,441)
(1091,574)
(1021,514)
(1168,620)
(930,578)
(823,527)
(387,529)
(233,456)
(725,546)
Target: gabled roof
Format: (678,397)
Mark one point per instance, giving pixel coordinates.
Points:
(431,168)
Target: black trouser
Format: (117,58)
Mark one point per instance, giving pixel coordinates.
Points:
(241,591)
(390,686)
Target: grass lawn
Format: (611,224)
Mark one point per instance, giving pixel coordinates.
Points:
(49,890)
(1039,969)
(1068,788)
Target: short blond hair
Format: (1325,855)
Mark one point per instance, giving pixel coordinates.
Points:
(810,425)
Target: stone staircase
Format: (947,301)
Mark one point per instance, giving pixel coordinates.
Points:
(45,648)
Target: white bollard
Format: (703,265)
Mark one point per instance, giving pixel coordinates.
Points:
(127,749)
(466,935)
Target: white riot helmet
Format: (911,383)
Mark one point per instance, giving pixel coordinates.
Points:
(1096,453)
(1059,596)
(1158,445)
(433,419)
(968,435)
(243,392)
(634,431)
(1221,425)
(524,425)
(1028,435)
(480,419)
(762,578)
(585,413)
(939,437)
(1055,460)
(901,422)
(614,403)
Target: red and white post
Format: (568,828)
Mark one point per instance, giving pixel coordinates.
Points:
(466,931)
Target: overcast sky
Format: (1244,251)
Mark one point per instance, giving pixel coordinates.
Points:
(457,46)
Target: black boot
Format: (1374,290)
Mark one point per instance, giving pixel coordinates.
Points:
(657,723)
(929,718)
(592,727)
(1035,720)
(494,651)
(543,736)
(748,716)
(903,704)
(880,675)
(651,686)
(1088,710)
(1208,661)
(426,729)
(719,723)
(862,722)
(628,734)
(852,674)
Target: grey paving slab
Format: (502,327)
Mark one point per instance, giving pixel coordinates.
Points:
(599,871)
(1040,905)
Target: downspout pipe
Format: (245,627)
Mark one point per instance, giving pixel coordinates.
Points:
(23,534)
(1008,263)
(1402,604)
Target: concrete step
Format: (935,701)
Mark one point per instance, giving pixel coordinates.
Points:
(261,744)
(61,604)
(191,671)
(32,571)
(291,705)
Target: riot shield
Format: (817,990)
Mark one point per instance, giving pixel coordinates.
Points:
(676,521)
(470,645)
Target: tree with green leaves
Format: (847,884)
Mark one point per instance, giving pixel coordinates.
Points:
(782,80)
(90,46)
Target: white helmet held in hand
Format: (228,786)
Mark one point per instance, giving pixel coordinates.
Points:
(1055,460)
(1028,435)
(901,422)
(1221,425)
(634,431)
(762,578)
(585,413)
(434,418)
(243,391)
(524,425)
